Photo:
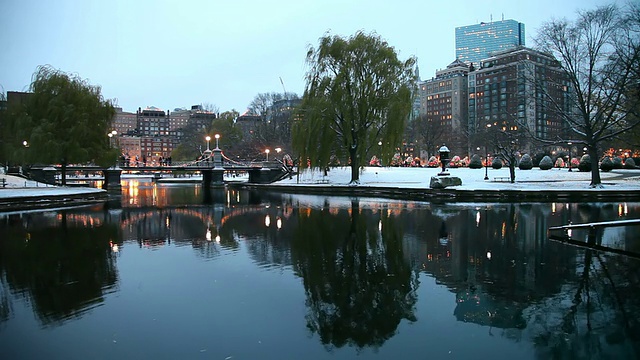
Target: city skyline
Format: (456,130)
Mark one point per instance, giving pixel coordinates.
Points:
(173,55)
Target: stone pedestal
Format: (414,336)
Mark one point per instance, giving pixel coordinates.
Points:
(49,175)
(112,178)
(441,182)
(212,178)
(260,176)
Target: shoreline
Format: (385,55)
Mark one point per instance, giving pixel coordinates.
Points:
(450,194)
(37,198)
(410,184)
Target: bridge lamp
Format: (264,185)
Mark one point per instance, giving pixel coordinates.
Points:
(217,136)
(267,152)
(208,138)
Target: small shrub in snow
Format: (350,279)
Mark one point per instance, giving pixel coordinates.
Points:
(606,164)
(496,163)
(629,164)
(585,163)
(617,163)
(476,162)
(546,163)
(525,162)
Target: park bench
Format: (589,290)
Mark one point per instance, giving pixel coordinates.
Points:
(502,178)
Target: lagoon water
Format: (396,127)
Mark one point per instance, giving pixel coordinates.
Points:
(177,272)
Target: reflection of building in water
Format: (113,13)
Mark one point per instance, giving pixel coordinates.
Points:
(479,307)
(496,259)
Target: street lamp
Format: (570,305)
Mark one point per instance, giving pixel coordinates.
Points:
(486,167)
(208,138)
(569,143)
(217,136)
(267,152)
(486,160)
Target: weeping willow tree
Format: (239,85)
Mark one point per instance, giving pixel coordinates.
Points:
(65,120)
(357,97)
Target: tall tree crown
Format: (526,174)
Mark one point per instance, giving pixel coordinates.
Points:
(358,94)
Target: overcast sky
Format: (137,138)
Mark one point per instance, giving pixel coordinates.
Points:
(173,54)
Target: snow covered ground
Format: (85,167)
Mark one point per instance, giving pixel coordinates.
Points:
(472,179)
(17,187)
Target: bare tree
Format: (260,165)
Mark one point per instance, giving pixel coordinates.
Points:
(426,132)
(506,145)
(209,107)
(276,113)
(599,52)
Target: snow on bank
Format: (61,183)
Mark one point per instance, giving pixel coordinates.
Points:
(17,187)
(472,179)
(398,177)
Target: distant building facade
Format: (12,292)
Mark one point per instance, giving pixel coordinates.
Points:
(479,41)
(444,102)
(151,134)
(124,123)
(515,88)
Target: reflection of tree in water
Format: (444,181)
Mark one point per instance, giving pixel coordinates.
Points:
(62,271)
(358,284)
(598,313)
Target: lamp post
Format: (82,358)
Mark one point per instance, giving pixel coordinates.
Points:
(267,152)
(486,167)
(486,162)
(217,136)
(208,138)
(569,143)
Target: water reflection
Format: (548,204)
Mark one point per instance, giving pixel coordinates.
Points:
(62,263)
(358,285)
(361,264)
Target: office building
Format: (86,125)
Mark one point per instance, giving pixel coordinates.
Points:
(479,41)
(519,87)
(444,102)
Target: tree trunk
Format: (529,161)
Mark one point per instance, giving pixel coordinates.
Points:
(595,169)
(355,173)
(512,171)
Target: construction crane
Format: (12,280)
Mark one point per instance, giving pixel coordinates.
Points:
(282,82)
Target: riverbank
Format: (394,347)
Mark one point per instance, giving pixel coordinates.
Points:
(389,182)
(17,193)
(414,184)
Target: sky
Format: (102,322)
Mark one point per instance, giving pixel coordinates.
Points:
(175,54)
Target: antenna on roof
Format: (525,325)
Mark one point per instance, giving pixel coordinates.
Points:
(491,17)
(502,16)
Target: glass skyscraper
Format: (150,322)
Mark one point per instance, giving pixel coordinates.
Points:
(477,42)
